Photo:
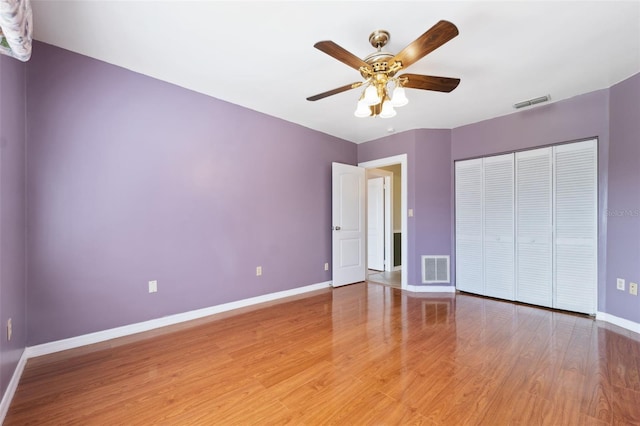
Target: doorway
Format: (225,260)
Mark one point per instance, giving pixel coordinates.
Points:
(396,272)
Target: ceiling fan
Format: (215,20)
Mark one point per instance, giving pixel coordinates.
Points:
(379,70)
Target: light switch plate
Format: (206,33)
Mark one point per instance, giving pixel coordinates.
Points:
(620,284)
(153,286)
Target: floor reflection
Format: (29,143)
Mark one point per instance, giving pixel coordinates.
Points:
(360,354)
(460,358)
(389,278)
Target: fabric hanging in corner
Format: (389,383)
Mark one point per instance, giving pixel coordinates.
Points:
(16,28)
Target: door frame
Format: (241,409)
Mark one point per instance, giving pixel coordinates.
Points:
(390,161)
(387,179)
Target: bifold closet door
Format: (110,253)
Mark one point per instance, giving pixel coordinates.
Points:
(534,233)
(468,187)
(498,218)
(576,226)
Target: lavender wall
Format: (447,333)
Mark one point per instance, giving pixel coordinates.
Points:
(623,236)
(428,190)
(12,216)
(581,117)
(132,179)
(432,196)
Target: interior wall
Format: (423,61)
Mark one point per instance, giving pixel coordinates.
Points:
(428,186)
(623,210)
(132,179)
(169,212)
(433,196)
(12,216)
(581,117)
(389,146)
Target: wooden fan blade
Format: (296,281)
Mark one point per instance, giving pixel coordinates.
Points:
(435,37)
(430,82)
(344,56)
(335,91)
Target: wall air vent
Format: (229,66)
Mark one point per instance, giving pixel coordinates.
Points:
(435,269)
(532,102)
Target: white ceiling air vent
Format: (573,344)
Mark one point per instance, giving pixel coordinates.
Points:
(532,102)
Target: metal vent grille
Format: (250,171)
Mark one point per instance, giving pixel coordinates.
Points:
(435,269)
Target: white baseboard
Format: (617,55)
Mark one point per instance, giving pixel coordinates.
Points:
(101,336)
(13,385)
(621,322)
(431,288)
(397,268)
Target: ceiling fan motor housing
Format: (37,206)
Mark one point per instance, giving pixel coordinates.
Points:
(378,60)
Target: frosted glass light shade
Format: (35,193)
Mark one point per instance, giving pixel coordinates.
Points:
(399,98)
(387,110)
(362,109)
(371,95)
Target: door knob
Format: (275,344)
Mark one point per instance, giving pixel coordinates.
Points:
(336,228)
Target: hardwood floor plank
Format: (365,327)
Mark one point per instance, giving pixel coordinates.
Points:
(626,406)
(359,354)
(598,390)
(371,407)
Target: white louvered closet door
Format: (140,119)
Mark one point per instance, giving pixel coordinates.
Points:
(534,261)
(468,175)
(499,266)
(576,230)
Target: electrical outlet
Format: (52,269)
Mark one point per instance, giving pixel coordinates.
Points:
(620,284)
(9,329)
(410,212)
(633,288)
(258,271)
(153,286)
(326,266)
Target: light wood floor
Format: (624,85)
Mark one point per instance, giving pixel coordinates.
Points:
(360,354)
(390,278)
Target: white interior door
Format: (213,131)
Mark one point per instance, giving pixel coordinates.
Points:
(499,265)
(388,223)
(554,259)
(375,223)
(348,217)
(534,206)
(576,226)
(469,264)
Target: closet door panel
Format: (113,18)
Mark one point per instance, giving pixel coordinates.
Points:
(499,266)
(575,197)
(468,222)
(534,261)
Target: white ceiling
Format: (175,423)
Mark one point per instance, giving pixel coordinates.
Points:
(260,54)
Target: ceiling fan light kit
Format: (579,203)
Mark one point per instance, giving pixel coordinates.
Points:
(379,71)
(363,108)
(399,98)
(387,109)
